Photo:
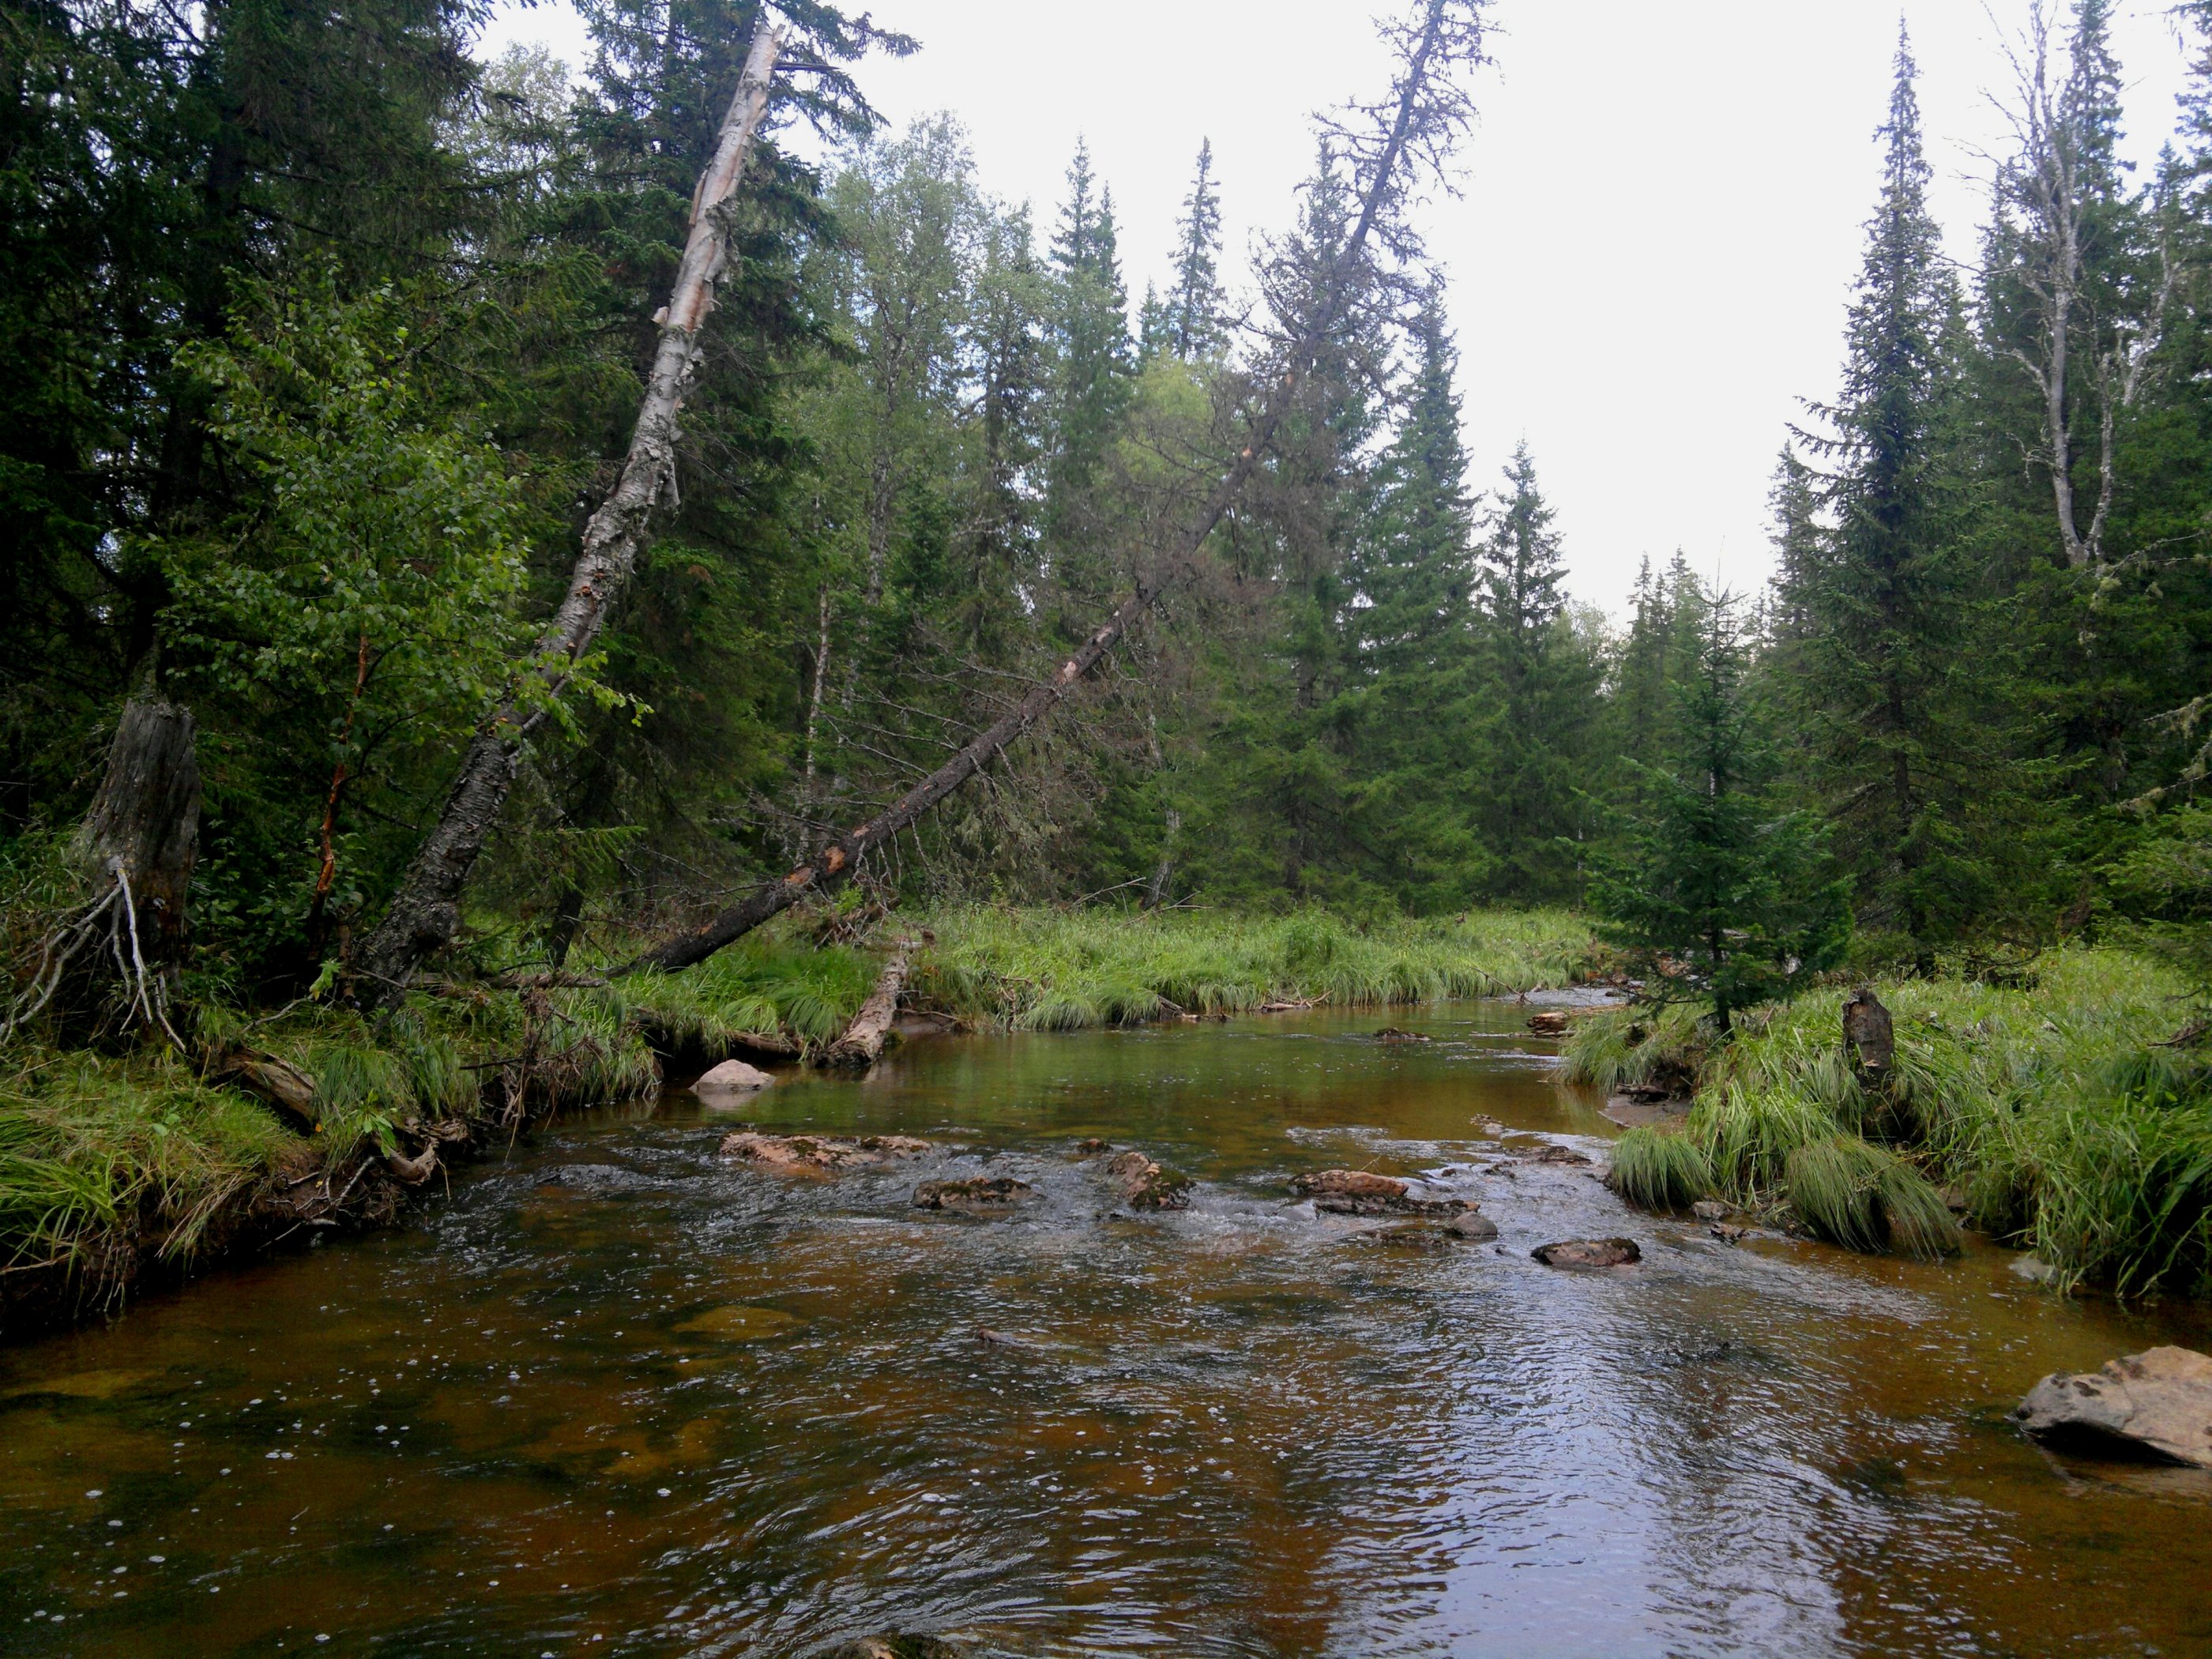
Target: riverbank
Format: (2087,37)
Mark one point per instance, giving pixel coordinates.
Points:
(118,1171)
(2068,1111)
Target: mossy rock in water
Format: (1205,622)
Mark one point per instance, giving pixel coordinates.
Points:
(1145,1185)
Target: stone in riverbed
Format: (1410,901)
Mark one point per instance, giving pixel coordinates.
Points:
(894,1646)
(980,1195)
(1710,1209)
(1552,1022)
(2158,1403)
(818,1154)
(1357,1184)
(1392,1034)
(1412,1236)
(731,1077)
(1589,1253)
(1473,1228)
(1144,1185)
(1362,1204)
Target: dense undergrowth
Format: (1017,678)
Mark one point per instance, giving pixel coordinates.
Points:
(2052,1108)
(110,1161)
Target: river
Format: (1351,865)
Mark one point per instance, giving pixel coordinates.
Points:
(615,1397)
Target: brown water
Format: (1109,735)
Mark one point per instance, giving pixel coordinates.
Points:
(618,1398)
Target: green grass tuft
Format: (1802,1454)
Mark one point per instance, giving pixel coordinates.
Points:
(1661,1171)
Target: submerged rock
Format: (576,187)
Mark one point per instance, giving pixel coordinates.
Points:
(1559,1154)
(980,1195)
(819,1154)
(1412,1236)
(2157,1403)
(1475,1229)
(1552,1022)
(1383,1203)
(1358,1182)
(1091,1146)
(732,1077)
(1144,1185)
(1392,1034)
(1710,1209)
(1589,1253)
(894,1646)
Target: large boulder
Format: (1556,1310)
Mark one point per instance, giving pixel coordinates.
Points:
(732,1080)
(978,1195)
(2157,1403)
(1589,1253)
(818,1154)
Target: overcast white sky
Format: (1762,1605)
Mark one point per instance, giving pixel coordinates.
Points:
(1660,218)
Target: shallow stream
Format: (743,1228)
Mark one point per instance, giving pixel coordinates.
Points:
(617,1396)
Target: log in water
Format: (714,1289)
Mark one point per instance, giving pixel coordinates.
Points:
(620,1396)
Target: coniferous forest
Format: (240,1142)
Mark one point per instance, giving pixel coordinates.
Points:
(750,904)
(356,614)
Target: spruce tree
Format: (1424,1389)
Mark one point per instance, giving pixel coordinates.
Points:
(1193,312)
(1722,896)
(1545,680)
(1881,686)
(1414,634)
(1091,341)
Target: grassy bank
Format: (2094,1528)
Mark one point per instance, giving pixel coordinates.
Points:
(1062,970)
(114,1165)
(2051,1108)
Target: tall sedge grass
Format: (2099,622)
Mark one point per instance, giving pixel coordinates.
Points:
(764,985)
(2049,1106)
(1038,969)
(90,1146)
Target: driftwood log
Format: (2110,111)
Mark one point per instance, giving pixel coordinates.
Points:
(425,914)
(863,1040)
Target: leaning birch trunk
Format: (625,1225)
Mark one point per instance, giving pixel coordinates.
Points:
(863,1040)
(1431,49)
(425,914)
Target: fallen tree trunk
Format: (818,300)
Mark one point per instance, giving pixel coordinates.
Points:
(1422,117)
(863,1040)
(425,914)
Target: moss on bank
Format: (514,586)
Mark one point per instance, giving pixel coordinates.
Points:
(2051,1106)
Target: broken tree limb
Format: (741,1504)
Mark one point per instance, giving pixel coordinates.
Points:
(863,1040)
(425,913)
(1424,115)
(281,1084)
